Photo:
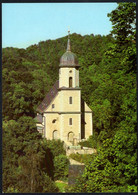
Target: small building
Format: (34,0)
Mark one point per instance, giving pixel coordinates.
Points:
(63,114)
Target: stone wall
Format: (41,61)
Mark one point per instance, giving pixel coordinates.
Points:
(84,150)
(74,171)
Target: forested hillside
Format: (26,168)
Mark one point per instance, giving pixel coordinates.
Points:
(29,74)
(108,82)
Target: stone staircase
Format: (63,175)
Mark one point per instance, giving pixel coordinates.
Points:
(70,148)
(75,168)
(67,144)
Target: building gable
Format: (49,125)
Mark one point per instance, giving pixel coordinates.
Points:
(87,108)
(53,105)
(84,106)
(49,97)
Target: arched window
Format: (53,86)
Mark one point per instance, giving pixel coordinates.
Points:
(70,100)
(55,134)
(70,81)
(70,136)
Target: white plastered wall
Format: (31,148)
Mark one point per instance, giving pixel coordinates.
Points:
(67,128)
(65,105)
(88,125)
(50,126)
(65,73)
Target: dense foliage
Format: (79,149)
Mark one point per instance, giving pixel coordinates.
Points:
(114,169)
(82,158)
(108,82)
(28,160)
(61,164)
(92,142)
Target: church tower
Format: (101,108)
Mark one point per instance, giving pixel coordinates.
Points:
(69,69)
(63,114)
(70,94)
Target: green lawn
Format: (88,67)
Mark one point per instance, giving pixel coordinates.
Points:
(61,186)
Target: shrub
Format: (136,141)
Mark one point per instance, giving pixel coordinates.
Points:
(49,185)
(61,164)
(56,147)
(61,186)
(69,189)
(82,158)
(11,190)
(76,157)
(91,142)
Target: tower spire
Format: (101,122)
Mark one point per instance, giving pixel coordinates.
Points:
(68,44)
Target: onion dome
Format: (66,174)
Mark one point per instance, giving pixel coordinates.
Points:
(68,59)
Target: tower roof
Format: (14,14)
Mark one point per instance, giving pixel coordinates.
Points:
(68,59)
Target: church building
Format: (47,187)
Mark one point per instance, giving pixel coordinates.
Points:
(63,114)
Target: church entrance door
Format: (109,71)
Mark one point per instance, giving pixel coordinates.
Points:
(70,136)
(55,134)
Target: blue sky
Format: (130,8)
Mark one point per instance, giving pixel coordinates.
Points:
(24,24)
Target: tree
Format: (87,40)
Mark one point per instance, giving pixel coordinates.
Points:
(123,20)
(61,164)
(108,82)
(114,103)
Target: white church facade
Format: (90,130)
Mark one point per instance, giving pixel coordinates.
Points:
(63,114)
